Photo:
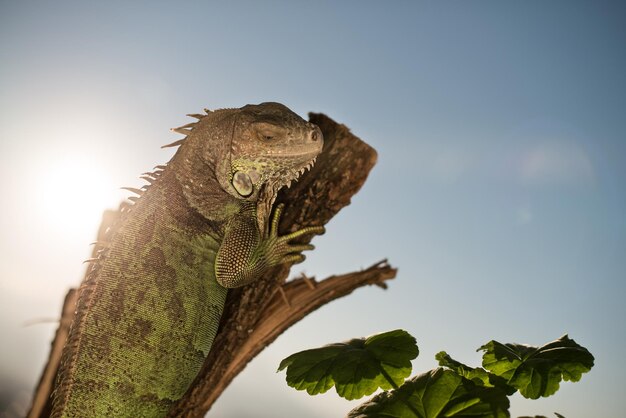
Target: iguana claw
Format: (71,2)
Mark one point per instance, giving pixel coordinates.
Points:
(279,245)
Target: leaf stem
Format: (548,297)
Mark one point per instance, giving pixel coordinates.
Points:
(388,378)
(395,387)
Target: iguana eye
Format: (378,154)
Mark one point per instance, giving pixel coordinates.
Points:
(267,132)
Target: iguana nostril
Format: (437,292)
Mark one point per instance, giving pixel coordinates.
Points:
(314,135)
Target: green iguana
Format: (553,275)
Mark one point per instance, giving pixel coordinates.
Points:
(150,307)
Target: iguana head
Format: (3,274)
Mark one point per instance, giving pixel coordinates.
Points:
(270,147)
(252,151)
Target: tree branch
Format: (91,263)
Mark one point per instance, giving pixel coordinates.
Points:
(278,315)
(304,295)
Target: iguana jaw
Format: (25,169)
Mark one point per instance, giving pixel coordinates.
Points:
(285,177)
(269,190)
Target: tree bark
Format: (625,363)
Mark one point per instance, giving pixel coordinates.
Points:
(257,314)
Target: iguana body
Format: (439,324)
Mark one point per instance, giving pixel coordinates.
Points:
(150,308)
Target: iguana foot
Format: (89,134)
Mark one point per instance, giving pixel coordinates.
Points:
(279,250)
(244,256)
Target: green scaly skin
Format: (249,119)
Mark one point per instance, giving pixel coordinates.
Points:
(150,307)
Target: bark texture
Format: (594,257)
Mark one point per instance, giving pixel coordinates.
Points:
(256,315)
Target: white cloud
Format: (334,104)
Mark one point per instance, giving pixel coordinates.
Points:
(556,163)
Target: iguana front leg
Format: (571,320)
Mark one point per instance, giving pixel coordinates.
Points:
(244,254)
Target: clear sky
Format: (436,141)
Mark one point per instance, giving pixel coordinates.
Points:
(500,192)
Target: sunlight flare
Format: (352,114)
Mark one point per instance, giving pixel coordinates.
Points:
(73,194)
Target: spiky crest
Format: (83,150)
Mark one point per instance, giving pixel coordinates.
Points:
(175,143)
(138,192)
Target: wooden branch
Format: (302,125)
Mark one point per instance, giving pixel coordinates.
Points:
(256,315)
(303,296)
(41,404)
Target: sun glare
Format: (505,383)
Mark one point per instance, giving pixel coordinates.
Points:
(73,195)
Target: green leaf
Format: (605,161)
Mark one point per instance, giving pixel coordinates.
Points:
(357,367)
(478,375)
(537,371)
(437,393)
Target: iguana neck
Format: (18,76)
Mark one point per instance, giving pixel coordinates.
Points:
(198,185)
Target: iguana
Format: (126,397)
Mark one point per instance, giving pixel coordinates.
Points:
(150,307)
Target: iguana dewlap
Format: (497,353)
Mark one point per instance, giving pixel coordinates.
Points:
(150,307)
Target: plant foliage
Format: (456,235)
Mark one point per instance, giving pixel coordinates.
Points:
(477,375)
(437,393)
(356,368)
(537,371)
(360,366)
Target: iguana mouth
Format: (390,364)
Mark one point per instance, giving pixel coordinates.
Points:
(293,154)
(287,177)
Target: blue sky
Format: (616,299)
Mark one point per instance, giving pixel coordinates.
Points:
(499,192)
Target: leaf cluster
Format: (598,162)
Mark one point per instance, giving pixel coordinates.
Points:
(356,368)
(361,366)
